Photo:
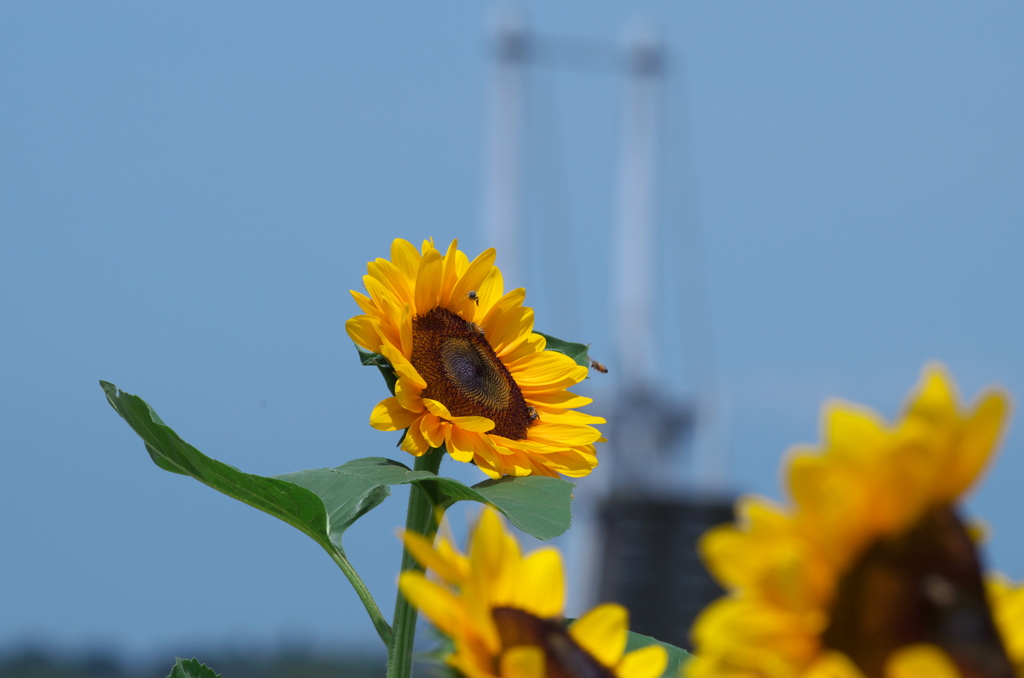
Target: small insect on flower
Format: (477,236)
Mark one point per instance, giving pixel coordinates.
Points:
(532,411)
(598,366)
(472,295)
(473,327)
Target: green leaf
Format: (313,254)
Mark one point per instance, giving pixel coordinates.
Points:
(577,352)
(539,506)
(676,655)
(382,364)
(191,668)
(318,502)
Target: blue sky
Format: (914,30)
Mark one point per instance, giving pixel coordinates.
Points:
(188,191)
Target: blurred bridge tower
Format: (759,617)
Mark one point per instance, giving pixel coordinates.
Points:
(648,524)
(648,511)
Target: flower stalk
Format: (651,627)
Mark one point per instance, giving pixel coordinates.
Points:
(422,518)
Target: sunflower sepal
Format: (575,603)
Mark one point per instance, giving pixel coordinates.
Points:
(382,364)
(580,353)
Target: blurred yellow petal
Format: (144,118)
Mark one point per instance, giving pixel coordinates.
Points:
(920,661)
(647,662)
(542,583)
(603,632)
(423,550)
(523,662)
(869,487)
(435,602)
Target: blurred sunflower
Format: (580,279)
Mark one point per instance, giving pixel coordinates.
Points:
(502,612)
(870,572)
(471,373)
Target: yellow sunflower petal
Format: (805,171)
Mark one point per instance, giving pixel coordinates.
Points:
(563,435)
(474,277)
(407,393)
(524,661)
(363,331)
(575,376)
(920,661)
(405,331)
(603,632)
(834,665)
(983,429)
(484,454)
(571,417)
(389,275)
(414,443)
(1007,601)
(433,431)
(542,583)
(562,399)
(423,550)
(428,281)
(449,273)
(507,302)
(437,408)
(490,291)
(534,343)
(435,602)
(382,295)
(487,545)
(461,445)
(403,368)
(647,662)
(936,396)
(365,303)
(474,424)
(851,430)
(389,415)
(406,257)
(508,330)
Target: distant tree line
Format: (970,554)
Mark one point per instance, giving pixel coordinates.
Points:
(36,662)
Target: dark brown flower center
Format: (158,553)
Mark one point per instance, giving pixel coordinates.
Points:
(564,658)
(463,373)
(923,586)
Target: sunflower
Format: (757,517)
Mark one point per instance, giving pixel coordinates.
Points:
(472,375)
(870,572)
(503,612)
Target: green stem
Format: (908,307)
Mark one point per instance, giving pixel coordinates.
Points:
(421,519)
(379,623)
